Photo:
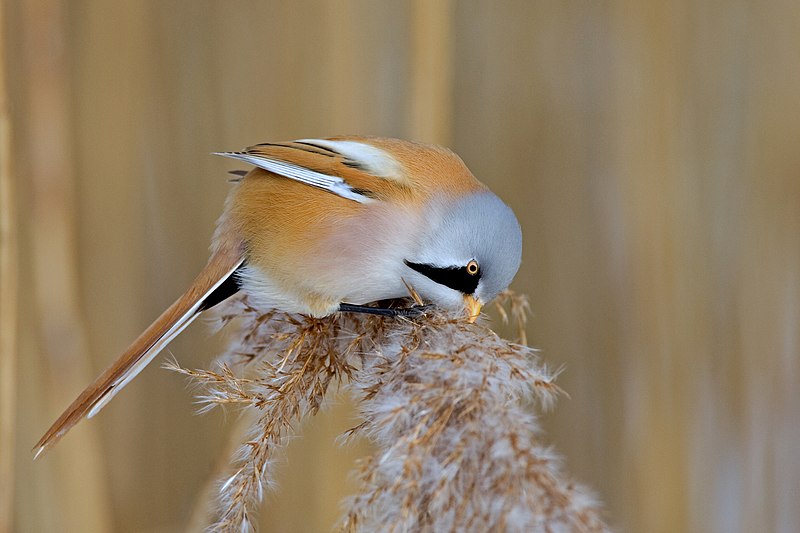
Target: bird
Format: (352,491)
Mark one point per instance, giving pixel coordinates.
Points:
(323,226)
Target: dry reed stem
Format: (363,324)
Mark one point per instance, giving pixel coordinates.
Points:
(447,404)
(431,76)
(8,301)
(51,229)
(204,506)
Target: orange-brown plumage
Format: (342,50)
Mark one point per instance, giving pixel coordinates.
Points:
(299,235)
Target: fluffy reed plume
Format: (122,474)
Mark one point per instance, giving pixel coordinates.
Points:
(447,404)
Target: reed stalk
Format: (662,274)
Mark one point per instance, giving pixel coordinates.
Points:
(8,300)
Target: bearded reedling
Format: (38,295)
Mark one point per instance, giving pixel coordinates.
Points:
(322,226)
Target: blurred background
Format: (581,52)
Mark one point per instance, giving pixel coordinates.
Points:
(650,150)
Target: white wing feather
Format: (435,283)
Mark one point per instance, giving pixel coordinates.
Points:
(333,184)
(374,160)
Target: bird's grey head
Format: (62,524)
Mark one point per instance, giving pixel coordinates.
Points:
(469,252)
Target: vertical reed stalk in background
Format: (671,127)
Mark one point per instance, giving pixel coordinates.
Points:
(78,494)
(431,71)
(8,301)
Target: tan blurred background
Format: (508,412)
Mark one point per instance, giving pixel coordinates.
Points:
(651,150)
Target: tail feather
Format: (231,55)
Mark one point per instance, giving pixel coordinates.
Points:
(143,350)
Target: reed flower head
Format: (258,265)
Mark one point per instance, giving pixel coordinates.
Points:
(448,405)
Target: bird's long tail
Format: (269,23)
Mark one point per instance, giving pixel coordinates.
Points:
(214,283)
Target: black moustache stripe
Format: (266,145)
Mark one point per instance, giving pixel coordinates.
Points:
(457,278)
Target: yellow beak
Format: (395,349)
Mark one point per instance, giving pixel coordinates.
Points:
(473,308)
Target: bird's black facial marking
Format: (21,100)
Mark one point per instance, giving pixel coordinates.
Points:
(464,279)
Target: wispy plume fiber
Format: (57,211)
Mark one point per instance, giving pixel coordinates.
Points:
(448,405)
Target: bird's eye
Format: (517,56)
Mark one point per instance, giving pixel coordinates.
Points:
(473,268)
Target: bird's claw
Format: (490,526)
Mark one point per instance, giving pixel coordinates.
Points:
(405,312)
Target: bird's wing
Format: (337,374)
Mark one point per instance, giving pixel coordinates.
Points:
(204,292)
(348,168)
